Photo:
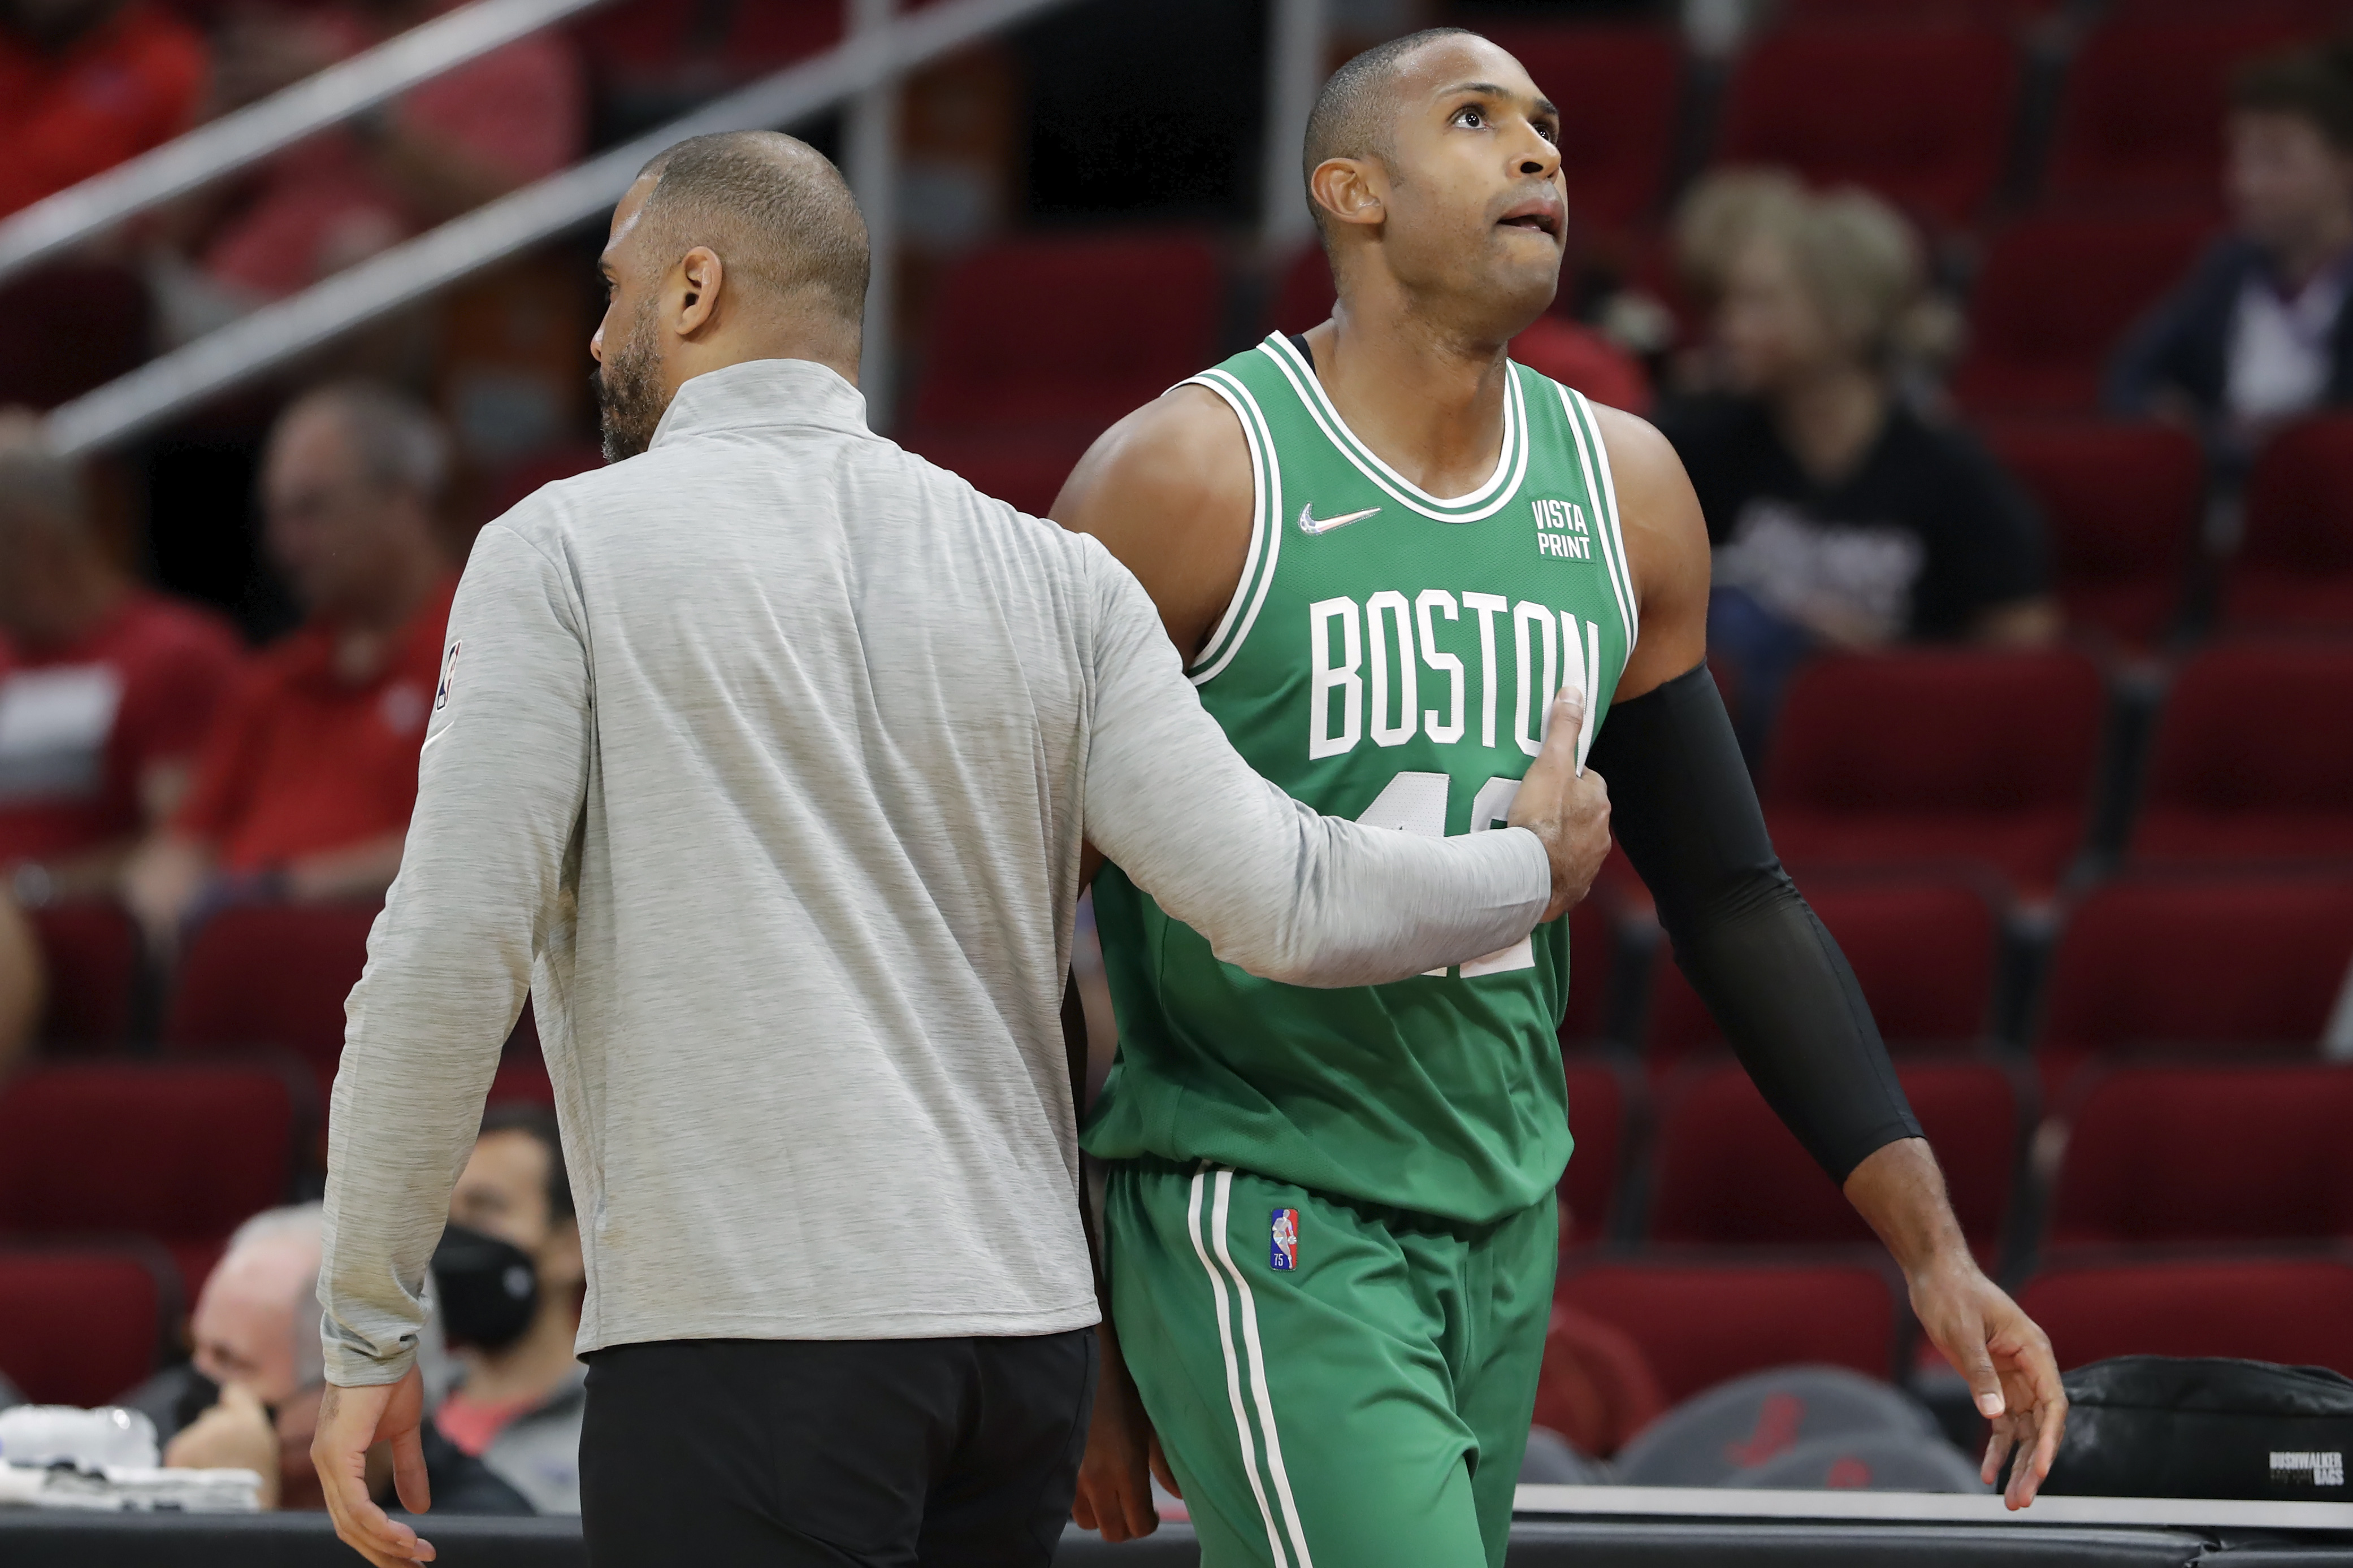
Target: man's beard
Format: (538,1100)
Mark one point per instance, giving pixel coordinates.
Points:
(629,403)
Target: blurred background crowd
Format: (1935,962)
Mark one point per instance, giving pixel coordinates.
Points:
(2007,344)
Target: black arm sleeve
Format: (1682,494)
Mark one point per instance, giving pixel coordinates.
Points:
(1683,808)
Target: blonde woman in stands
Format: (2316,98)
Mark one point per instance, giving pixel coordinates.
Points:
(1840,514)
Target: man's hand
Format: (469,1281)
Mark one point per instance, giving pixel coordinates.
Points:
(234,1434)
(350,1422)
(2005,1357)
(2009,1368)
(1115,1495)
(1569,809)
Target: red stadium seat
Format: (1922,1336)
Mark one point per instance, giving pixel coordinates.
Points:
(1958,756)
(2185,963)
(2297,1310)
(2295,565)
(1729,1174)
(80,1326)
(2122,503)
(2253,757)
(91,953)
(1039,345)
(2226,1153)
(2140,119)
(1595,1387)
(183,1153)
(1617,90)
(1701,1323)
(2056,296)
(271,975)
(1600,1113)
(1921,114)
(1923,951)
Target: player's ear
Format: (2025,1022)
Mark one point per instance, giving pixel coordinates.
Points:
(695,290)
(1351,189)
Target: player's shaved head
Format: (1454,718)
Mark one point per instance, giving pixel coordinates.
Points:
(776,213)
(1356,114)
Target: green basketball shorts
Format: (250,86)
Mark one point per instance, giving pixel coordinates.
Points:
(1332,1383)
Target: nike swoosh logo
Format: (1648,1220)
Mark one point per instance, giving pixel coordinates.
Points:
(1309,524)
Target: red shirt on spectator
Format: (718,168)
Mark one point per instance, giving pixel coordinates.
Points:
(1577,356)
(82,723)
(133,83)
(520,109)
(304,762)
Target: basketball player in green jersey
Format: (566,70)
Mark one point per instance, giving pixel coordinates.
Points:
(1329,1229)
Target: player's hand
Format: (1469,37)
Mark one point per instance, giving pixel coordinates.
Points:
(1115,1495)
(350,1422)
(1569,809)
(2008,1363)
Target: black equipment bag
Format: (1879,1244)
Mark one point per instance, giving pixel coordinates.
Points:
(2149,1426)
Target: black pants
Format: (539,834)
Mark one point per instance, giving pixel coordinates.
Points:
(877,1453)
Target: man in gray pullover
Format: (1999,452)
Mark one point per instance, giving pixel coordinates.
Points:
(763,760)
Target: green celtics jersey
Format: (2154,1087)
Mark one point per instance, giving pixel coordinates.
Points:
(1388,656)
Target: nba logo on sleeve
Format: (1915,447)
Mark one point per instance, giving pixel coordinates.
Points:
(1284,1252)
(449,674)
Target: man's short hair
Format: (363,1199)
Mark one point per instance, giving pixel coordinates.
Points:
(2314,83)
(1356,114)
(398,442)
(776,211)
(540,1123)
(35,480)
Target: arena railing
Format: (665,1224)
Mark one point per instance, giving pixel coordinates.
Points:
(873,55)
(234,140)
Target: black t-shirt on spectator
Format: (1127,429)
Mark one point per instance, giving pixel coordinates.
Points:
(1924,534)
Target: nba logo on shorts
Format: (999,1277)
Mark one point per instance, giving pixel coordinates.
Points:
(1284,1253)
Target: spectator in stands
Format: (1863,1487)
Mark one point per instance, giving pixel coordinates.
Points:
(256,1344)
(1841,517)
(106,688)
(304,789)
(519,1408)
(444,147)
(2259,332)
(105,692)
(85,84)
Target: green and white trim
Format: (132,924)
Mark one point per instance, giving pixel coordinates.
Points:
(1595,456)
(1285,1539)
(1266,526)
(1511,463)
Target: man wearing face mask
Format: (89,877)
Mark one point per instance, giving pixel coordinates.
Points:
(519,1408)
(250,1396)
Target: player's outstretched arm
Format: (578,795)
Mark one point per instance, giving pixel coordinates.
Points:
(2007,1359)
(1772,974)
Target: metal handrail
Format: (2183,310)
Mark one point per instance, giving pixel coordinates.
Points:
(170,384)
(234,141)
